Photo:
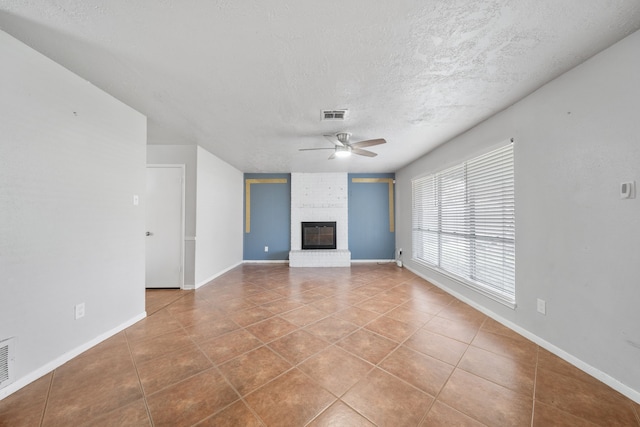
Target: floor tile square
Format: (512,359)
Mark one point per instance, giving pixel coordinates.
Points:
(298,346)
(458,310)
(331,329)
(159,323)
(469,394)
(335,369)
(26,406)
(387,401)
(584,399)
(236,415)
(356,315)
(191,400)
(458,330)
(264,297)
(331,304)
(228,346)
(87,392)
(409,315)
(520,349)
(443,415)
(424,372)
(377,305)
(148,349)
(391,328)
(443,348)
(367,345)
(252,370)
(210,329)
(291,400)
(169,369)
(134,414)
(514,374)
(546,415)
(250,316)
(339,415)
(272,328)
(282,305)
(304,315)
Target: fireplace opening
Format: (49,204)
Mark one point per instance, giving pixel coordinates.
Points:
(319,235)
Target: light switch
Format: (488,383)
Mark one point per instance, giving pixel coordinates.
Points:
(136,200)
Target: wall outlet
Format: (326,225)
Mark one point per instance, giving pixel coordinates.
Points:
(542,306)
(136,200)
(79,310)
(266,248)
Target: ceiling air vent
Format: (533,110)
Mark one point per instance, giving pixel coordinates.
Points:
(334,115)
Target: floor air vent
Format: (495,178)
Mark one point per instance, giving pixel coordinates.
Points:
(6,362)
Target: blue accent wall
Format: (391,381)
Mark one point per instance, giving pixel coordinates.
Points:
(270,219)
(369,233)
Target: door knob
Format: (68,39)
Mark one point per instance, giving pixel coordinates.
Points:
(148,233)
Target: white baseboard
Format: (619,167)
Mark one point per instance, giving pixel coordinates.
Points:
(218,274)
(265,261)
(370,261)
(61,360)
(578,363)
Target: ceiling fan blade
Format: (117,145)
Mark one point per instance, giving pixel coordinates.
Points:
(332,156)
(363,152)
(334,140)
(313,149)
(368,143)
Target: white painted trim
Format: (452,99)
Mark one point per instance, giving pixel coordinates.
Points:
(61,360)
(218,274)
(364,261)
(182,214)
(578,363)
(190,238)
(265,261)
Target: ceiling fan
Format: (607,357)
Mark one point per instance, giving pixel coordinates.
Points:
(344,148)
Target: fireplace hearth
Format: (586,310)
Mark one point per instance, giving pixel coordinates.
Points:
(318,235)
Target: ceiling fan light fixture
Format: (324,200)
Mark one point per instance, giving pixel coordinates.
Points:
(343,152)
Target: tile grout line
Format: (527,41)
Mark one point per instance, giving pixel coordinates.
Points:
(214,366)
(451,374)
(46,401)
(535,384)
(330,344)
(328,315)
(135,366)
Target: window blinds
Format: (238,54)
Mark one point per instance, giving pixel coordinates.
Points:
(464,222)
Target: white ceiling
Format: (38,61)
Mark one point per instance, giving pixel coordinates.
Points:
(247,79)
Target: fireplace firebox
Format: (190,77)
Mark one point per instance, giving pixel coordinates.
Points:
(319,235)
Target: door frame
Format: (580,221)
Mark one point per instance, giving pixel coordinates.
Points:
(182,167)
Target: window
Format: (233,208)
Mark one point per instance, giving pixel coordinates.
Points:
(464,223)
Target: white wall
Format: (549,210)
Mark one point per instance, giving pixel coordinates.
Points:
(578,243)
(71,159)
(184,155)
(218,217)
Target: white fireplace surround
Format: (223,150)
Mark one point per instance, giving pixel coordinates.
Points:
(317,197)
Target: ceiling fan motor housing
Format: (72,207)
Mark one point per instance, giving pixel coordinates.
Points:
(343,137)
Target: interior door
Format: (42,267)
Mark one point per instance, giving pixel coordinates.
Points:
(164,223)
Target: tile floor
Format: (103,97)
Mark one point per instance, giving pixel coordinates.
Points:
(360,346)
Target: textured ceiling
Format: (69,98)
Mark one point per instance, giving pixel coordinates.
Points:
(247,79)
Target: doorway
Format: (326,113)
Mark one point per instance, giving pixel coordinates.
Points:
(165,226)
